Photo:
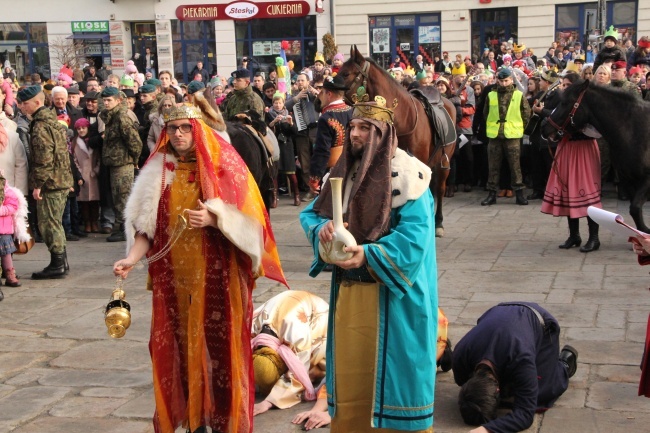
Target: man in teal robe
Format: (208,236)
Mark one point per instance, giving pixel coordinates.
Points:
(381,351)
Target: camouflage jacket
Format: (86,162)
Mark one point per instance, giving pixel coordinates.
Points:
(239,101)
(122,144)
(49,161)
(627,86)
(504,95)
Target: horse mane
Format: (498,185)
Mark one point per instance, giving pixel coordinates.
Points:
(618,98)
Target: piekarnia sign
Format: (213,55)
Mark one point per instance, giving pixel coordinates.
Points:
(242,10)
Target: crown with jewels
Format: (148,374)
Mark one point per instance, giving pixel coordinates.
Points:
(377,109)
(185,111)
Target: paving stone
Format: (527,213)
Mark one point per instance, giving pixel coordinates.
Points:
(636,332)
(595,334)
(5,389)
(85,425)
(142,406)
(578,280)
(14,362)
(105,355)
(603,297)
(572,398)
(609,352)
(119,393)
(555,263)
(588,420)
(35,344)
(80,407)
(560,296)
(617,373)
(26,403)
(611,318)
(104,378)
(617,396)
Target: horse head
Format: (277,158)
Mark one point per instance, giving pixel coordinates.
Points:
(355,73)
(570,115)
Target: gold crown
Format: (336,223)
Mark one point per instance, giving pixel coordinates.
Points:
(184,111)
(364,109)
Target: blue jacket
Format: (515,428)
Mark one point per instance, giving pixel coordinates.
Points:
(525,356)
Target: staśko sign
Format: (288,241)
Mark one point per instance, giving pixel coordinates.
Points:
(242,10)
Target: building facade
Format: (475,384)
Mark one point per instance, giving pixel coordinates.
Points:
(179,33)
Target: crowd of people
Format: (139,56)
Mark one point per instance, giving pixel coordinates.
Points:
(129,155)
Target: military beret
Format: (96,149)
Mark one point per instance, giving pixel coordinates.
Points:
(129,93)
(93,96)
(241,73)
(504,73)
(28,93)
(621,64)
(147,88)
(153,82)
(73,90)
(110,92)
(194,87)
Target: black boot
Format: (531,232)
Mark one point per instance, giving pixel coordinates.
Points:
(445,360)
(56,268)
(117,236)
(569,357)
(593,243)
(521,200)
(574,239)
(491,199)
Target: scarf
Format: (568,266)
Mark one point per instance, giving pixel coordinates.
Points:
(290,359)
(273,113)
(368,212)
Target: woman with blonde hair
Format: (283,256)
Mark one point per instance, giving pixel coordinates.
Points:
(587,73)
(157,121)
(603,75)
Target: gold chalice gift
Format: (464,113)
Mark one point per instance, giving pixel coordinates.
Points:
(118,312)
(117,315)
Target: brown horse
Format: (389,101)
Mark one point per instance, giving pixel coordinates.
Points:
(413,128)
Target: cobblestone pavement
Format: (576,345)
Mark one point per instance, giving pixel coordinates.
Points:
(60,372)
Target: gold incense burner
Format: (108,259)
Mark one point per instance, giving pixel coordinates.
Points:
(118,313)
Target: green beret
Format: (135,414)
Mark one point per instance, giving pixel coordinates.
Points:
(110,91)
(147,88)
(195,86)
(504,73)
(153,82)
(28,93)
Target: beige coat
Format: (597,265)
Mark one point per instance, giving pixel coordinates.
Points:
(13,161)
(88,161)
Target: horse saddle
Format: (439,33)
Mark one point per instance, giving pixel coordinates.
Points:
(439,120)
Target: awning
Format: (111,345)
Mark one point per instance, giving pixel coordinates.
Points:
(105,37)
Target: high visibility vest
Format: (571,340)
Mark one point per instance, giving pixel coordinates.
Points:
(513,126)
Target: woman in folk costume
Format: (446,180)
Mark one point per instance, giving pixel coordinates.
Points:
(383,318)
(202,287)
(642,249)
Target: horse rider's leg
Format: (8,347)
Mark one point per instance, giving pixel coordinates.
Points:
(636,204)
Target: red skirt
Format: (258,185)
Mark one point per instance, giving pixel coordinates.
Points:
(574,182)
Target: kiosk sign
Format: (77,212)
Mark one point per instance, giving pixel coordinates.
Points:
(243,10)
(90,26)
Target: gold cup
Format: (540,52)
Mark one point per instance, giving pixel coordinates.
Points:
(118,314)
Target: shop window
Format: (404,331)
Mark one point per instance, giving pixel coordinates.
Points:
(38,33)
(193,41)
(261,39)
(568,17)
(24,45)
(406,36)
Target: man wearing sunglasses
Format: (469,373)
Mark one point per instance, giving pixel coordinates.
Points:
(511,353)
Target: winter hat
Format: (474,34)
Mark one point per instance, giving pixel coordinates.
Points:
(338,56)
(64,77)
(127,81)
(130,68)
(507,57)
(81,123)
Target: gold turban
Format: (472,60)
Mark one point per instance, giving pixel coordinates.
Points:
(268,368)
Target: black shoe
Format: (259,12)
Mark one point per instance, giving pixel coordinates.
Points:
(80,234)
(569,357)
(283,191)
(116,237)
(56,268)
(467,188)
(572,241)
(2,295)
(37,238)
(491,199)
(66,266)
(71,237)
(592,245)
(520,199)
(536,195)
(445,360)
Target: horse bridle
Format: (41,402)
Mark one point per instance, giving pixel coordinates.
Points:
(561,129)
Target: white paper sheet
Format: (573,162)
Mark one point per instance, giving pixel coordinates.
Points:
(613,222)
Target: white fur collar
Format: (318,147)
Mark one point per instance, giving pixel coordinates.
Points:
(20,217)
(410,178)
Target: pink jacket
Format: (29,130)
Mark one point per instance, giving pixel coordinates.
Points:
(7,210)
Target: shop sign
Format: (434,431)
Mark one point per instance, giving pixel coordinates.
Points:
(90,26)
(242,10)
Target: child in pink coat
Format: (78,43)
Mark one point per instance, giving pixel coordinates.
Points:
(12,222)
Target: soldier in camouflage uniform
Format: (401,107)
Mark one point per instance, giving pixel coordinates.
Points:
(243,98)
(120,153)
(620,81)
(506,113)
(50,177)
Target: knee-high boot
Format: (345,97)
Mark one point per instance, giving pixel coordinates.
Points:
(593,243)
(574,239)
(294,189)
